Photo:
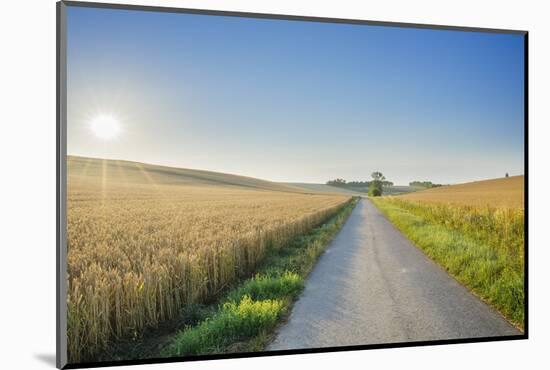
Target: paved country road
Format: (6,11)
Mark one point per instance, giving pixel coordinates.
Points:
(373,286)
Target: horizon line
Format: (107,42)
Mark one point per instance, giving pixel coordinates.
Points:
(262,179)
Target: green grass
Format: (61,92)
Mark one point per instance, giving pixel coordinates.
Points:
(247,314)
(481,247)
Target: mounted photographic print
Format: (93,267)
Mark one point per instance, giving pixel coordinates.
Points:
(235,184)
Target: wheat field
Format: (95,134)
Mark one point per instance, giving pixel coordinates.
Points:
(144,241)
(505,192)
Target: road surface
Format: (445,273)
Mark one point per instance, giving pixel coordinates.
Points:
(373,286)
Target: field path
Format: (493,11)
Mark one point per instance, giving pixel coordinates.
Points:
(373,286)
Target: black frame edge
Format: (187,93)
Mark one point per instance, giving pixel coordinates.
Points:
(526,178)
(291,352)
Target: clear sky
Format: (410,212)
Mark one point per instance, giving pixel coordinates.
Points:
(296,101)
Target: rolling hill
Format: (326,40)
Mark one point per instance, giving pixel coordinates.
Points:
(503,192)
(120,171)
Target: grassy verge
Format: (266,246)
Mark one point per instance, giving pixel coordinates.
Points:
(481,247)
(247,314)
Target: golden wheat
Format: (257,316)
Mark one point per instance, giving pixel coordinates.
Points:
(501,228)
(140,250)
(505,192)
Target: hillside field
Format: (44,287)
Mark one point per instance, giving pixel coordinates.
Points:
(504,192)
(145,240)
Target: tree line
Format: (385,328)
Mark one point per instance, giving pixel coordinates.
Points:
(424,184)
(375,186)
(355,184)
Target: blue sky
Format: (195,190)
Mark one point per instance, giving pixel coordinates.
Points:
(296,101)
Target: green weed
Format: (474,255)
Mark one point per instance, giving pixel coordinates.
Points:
(481,247)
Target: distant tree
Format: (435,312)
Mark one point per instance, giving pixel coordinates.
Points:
(374,191)
(507,175)
(358,184)
(377,176)
(376,185)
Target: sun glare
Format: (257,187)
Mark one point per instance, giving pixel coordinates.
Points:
(105,127)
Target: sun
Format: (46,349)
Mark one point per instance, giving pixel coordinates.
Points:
(105,127)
